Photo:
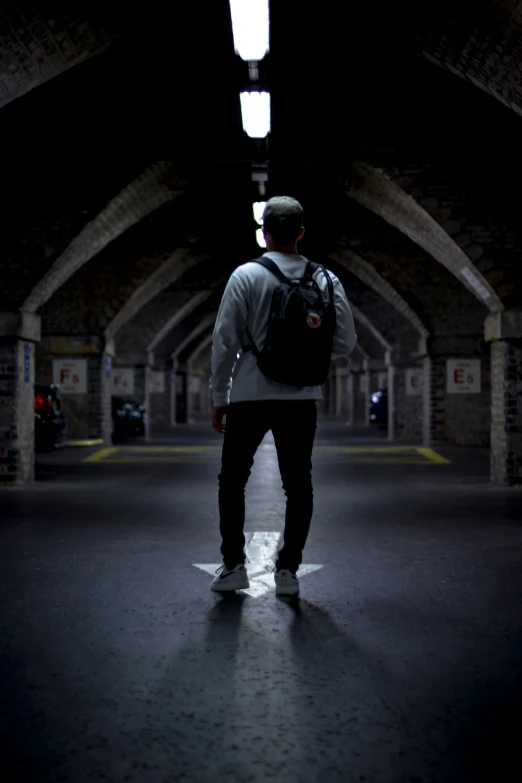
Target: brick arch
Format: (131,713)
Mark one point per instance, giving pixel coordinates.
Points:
(370,276)
(208,320)
(156,186)
(172,269)
(208,340)
(180,316)
(483,46)
(199,349)
(364,353)
(38,46)
(368,324)
(375,191)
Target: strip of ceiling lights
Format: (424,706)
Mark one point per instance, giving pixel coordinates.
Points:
(250,28)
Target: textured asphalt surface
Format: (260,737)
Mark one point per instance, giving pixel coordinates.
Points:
(401,662)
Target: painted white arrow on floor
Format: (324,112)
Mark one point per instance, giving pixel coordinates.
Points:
(261,551)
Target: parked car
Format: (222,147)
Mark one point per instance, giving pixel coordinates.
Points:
(49,422)
(379,408)
(128,419)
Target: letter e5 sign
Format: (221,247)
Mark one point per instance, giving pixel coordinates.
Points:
(463,376)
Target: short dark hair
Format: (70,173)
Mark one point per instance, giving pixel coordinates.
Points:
(283,219)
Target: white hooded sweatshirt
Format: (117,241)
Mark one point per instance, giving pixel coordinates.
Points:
(246,304)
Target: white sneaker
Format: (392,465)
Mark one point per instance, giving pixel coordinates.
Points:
(236,579)
(286,582)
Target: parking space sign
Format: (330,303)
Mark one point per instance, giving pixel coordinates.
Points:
(157,385)
(123,380)
(414,381)
(70,375)
(463,376)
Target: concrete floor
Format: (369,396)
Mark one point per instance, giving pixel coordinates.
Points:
(401,661)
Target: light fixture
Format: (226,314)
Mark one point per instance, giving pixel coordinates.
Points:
(250,28)
(255,109)
(260,176)
(260,238)
(258,208)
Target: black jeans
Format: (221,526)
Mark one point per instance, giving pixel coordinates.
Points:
(293,424)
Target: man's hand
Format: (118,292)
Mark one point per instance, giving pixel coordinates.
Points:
(217,419)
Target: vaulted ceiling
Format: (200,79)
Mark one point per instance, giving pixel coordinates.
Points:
(124,122)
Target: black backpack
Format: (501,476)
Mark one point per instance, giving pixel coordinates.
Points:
(301,327)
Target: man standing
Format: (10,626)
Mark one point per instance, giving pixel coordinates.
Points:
(255,404)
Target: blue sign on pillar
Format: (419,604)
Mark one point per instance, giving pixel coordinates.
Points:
(108,366)
(27,363)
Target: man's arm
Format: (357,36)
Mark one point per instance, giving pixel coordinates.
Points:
(345,338)
(230,327)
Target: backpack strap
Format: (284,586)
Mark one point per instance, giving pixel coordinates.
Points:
(271,266)
(251,347)
(311,269)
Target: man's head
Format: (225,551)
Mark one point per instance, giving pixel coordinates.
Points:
(283,223)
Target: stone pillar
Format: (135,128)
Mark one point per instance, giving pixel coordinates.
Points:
(407,403)
(146,370)
(85,396)
(351,398)
(404,410)
(341,391)
(392,395)
(367,391)
(195,393)
(206,399)
(359,396)
(18,334)
(159,393)
(457,417)
(173,393)
(190,395)
(181,395)
(330,402)
(170,381)
(504,332)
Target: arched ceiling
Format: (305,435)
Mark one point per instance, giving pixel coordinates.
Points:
(123,150)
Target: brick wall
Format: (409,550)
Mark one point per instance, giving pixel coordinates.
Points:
(506,411)
(16,413)
(456,419)
(160,402)
(480,42)
(489,236)
(408,409)
(88,415)
(360,399)
(38,45)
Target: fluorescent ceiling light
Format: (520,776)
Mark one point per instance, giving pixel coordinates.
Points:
(250,28)
(258,208)
(260,238)
(255,108)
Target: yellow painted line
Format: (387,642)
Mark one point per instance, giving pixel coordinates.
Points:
(169,449)
(100,455)
(433,456)
(94,442)
(150,461)
(385,461)
(366,449)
